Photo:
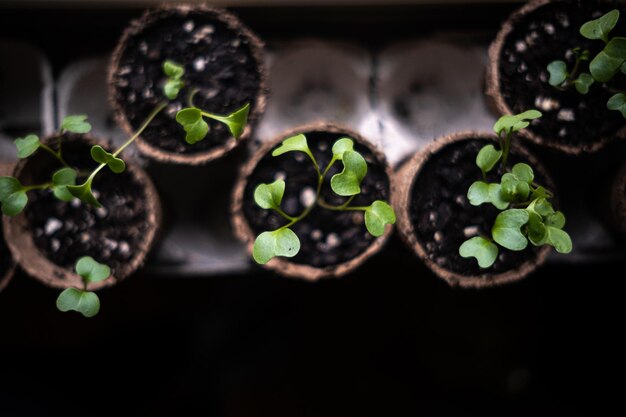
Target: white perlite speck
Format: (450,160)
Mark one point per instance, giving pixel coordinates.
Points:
(566,115)
(546,103)
(307,196)
(52,225)
(188,26)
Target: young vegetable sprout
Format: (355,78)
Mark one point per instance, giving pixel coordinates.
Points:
(602,68)
(80,299)
(13,195)
(283,241)
(526,212)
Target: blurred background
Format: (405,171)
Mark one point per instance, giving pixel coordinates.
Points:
(212,334)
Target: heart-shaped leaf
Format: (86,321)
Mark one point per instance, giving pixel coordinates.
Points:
(348,181)
(83,193)
(536,228)
(342,145)
(480,248)
(60,180)
(173,70)
(608,61)
(103,157)
(617,102)
(601,27)
(558,73)
(27,146)
(559,239)
(85,302)
(269,196)
(583,82)
(293,144)
(236,121)
(506,230)
(556,219)
(12,196)
(281,242)
(541,206)
(487,158)
(76,124)
(514,190)
(15,203)
(8,186)
(523,172)
(377,216)
(92,271)
(172,88)
(191,120)
(514,123)
(481,192)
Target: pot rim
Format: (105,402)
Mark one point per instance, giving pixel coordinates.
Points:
(6,169)
(282,265)
(405,179)
(498,104)
(256,45)
(34,261)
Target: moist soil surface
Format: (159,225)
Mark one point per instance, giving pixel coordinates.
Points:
(5,255)
(443,218)
(218,61)
(66,231)
(327,237)
(547,34)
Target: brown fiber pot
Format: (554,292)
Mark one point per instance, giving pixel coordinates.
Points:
(19,235)
(499,105)
(6,275)
(405,179)
(151,18)
(284,266)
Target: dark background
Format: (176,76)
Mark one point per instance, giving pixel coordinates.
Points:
(390,339)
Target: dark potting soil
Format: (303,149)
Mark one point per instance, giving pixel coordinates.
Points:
(111,234)
(443,218)
(5,255)
(545,35)
(218,61)
(327,237)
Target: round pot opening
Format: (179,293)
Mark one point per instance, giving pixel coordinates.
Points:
(435,216)
(541,32)
(50,235)
(332,243)
(7,264)
(223,61)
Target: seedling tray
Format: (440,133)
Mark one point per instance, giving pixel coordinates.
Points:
(399,75)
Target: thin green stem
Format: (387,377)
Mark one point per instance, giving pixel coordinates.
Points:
(342,207)
(37,187)
(282,213)
(143,127)
(52,152)
(191,96)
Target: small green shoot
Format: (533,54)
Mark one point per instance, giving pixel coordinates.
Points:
(192,121)
(174,73)
(283,241)
(526,215)
(602,68)
(80,299)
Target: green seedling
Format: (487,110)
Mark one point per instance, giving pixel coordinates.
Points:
(63,181)
(526,214)
(283,241)
(14,195)
(80,299)
(602,68)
